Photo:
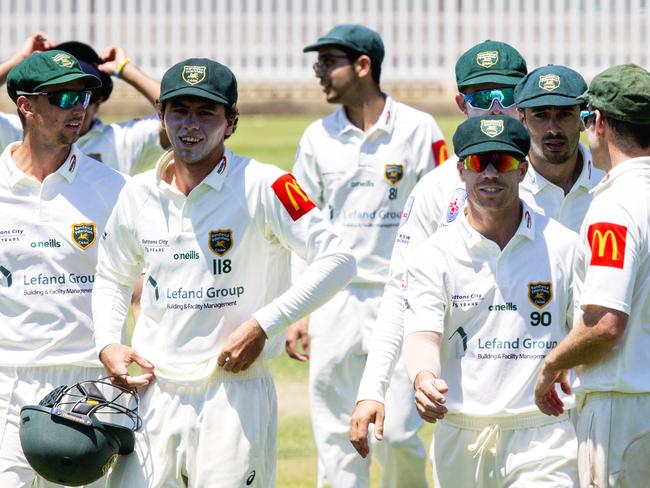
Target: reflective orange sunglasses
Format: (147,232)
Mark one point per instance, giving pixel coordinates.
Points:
(502,162)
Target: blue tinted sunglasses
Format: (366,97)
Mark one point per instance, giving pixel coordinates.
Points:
(484,98)
(65,99)
(587,117)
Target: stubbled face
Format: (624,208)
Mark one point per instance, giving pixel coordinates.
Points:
(554,132)
(52,124)
(495,109)
(196,128)
(491,190)
(336,74)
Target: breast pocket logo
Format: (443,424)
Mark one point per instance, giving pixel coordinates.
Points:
(540,293)
(220,241)
(394,173)
(84,234)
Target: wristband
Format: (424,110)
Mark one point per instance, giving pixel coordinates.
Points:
(120,67)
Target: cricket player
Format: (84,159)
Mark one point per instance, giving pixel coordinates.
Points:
(213,232)
(610,339)
(55,202)
(478,322)
(359,164)
(130,146)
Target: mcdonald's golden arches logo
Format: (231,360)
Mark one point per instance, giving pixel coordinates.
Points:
(293,198)
(607,243)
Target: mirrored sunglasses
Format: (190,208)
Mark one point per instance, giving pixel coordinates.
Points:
(65,99)
(484,98)
(502,162)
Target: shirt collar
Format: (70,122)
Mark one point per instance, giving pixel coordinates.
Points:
(13,174)
(642,163)
(215,179)
(385,122)
(526,227)
(586,179)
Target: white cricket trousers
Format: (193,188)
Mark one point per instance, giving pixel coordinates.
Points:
(340,332)
(20,386)
(214,433)
(523,451)
(614,440)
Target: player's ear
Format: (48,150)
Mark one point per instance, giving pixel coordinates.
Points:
(363,66)
(523,169)
(460,166)
(460,101)
(25,106)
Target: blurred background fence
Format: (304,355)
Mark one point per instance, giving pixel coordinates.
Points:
(262,40)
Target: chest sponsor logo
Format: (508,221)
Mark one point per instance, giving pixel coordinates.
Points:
(84,234)
(491,128)
(394,173)
(487,59)
(540,293)
(220,241)
(549,82)
(440,153)
(607,243)
(194,74)
(456,203)
(292,196)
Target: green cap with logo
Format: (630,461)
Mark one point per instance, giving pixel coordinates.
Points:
(622,92)
(550,86)
(356,37)
(200,77)
(47,68)
(492,133)
(490,62)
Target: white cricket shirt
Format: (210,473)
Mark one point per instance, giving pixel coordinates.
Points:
(435,202)
(48,253)
(612,269)
(212,260)
(11,130)
(499,311)
(361,180)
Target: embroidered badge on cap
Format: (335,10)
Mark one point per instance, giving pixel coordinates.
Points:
(491,128)
(293,198)
(84,234)
(607,243)
(540,293)
(487,59)
(64,60)
(194,74)
(549,82)
(393,173)
(220,241)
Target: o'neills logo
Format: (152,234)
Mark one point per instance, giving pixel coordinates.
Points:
(84,234)
(393,173)
(487,59)
(607,242)
(549,82)
(194,74)
(220,241)
(540,293)
(491,128)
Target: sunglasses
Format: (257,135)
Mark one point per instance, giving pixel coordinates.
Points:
(484,98)
(327,61)
(587,117)
(502,162)
(65,99)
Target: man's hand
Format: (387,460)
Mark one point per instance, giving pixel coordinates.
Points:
(298,333)
(546,396)
(36,42)
(366,412)
(429,396)
(243,347)
(111,59)
(116,358)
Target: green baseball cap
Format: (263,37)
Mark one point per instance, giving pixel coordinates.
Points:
(47,68)
(357,37)
(622,92)
(200,77)
(490,62)
(492,133)
(550,86)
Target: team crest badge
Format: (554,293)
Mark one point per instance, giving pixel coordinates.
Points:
(487,59)
(491,128)
(549,82)
(394,173)
(194,74)
(540,293)
(220,241)
(456,203)
(84,234)
(64,60)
